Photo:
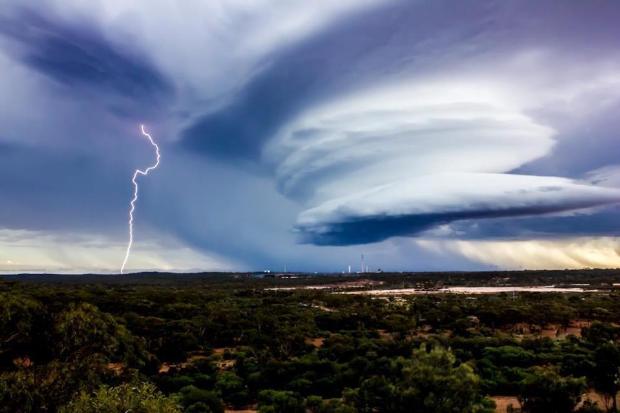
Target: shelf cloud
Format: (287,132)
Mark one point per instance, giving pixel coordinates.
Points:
(398,161)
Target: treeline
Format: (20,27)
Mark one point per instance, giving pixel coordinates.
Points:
(206,346)
(594,278)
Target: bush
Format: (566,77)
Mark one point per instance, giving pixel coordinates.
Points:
(274,401)
(140,398)
(195,398)
(545,391)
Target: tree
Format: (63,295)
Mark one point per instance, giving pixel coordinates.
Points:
(82,330)
(19,319)
(599,333)
(430,381)
(232,388)
(543,390)
(316,404)
(275,401)
(140,398)
(200,400)
(606,372)
(377,393)
(45,387)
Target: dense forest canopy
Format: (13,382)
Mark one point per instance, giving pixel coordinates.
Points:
(215,342)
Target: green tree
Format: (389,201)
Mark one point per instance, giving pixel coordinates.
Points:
(200,400)
(606,372)
(232,388)
(45,387)
(316,404)
(275,401)
(140,398)
(82,330)
(544,391)
(430,381)
(19,322)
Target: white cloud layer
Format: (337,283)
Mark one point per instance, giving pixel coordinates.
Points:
(461,195)
(440,148)
(376,137)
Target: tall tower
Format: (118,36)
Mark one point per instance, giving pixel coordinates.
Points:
(363,268)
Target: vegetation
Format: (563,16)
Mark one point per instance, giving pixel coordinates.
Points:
(213,342)
(140,398)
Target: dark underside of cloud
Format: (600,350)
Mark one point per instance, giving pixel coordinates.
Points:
(605,222)
(514,222)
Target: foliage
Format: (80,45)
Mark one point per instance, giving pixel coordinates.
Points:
(141,398)
(545,391)
(210,342)
(274,401)
(197,400)
(429,381)
(606,372)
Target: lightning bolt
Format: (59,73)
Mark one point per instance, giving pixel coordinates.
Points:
(134,199)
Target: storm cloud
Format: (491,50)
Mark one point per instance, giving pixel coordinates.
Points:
(293,132)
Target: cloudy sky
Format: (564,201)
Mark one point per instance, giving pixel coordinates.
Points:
(426,135)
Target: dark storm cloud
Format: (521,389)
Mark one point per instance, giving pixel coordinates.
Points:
(591,143)
(604,222)
(52,190)
(371,47)
(326,102)
(383,44)
(488,224)
(77,55)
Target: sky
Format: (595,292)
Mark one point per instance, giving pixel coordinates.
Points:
(298,135)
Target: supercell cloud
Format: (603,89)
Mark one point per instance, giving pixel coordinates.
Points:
(428,135)
(398,161)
